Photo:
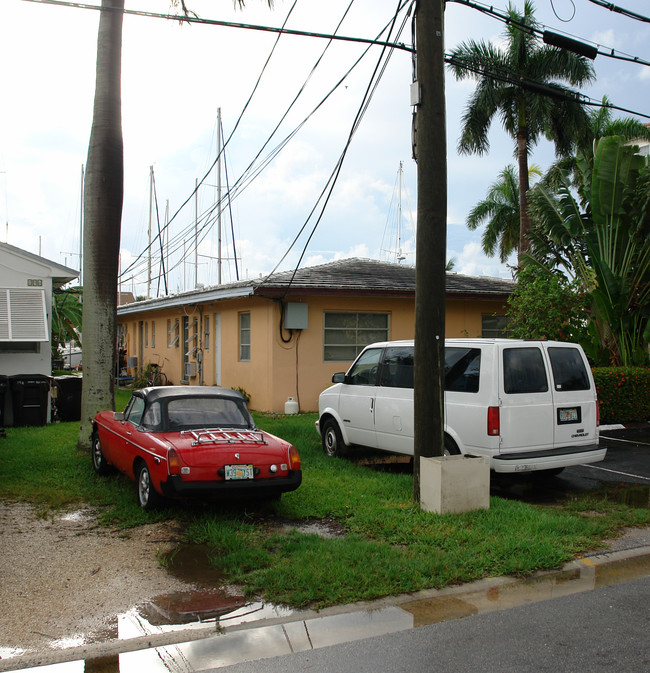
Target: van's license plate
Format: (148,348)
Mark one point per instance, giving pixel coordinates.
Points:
(569,415)
(238,472)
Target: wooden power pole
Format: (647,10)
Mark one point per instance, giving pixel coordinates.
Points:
(431,156)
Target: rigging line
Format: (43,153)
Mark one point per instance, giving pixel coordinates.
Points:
(250,98)
(232,225)
(543,88)
(370,90)
(249,175)
(162,253)
(535,30)
(620,10)
(227,24)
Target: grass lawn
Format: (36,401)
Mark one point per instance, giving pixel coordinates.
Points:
(388,545)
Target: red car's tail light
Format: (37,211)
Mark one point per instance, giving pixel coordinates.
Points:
(493,421)
(173,463)
(294,458)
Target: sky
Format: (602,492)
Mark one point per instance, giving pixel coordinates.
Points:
(175,79)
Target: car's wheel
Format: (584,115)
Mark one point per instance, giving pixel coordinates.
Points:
(148,498)
(451,449)
(99,462)
(333,444)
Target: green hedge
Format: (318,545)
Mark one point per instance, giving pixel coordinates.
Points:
(623,394)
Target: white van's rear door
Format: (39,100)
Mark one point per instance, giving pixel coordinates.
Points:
(574,396)
(526,411)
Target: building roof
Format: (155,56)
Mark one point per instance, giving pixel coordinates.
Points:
(349,277)
(59,274)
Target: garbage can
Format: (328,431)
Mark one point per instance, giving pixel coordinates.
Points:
(3,392)
(30,396)
(68,397)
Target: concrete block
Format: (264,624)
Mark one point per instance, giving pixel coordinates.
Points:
(454,484)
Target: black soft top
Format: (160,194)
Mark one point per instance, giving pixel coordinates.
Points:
(169,392)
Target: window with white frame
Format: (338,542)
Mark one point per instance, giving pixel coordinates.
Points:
(494,326)
(346,334)
(245,337)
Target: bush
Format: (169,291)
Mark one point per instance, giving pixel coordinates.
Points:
(623,394)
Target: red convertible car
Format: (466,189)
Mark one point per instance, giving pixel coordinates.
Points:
(176,441)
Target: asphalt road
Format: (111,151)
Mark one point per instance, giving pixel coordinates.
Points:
(602,630)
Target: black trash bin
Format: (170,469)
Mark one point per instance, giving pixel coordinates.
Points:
(68,397)
(30,396)
(3,392)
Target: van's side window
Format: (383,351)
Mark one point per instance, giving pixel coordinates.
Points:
(569,372)
(523,371)
(397,368)
(462,369)
(364,370)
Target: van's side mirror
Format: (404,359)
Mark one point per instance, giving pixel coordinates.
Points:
(339,377)
(118,415)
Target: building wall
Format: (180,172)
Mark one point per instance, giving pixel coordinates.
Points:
(281,365)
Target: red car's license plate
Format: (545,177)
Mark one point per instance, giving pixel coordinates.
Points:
(238,471)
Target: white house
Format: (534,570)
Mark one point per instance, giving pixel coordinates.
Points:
(26,284)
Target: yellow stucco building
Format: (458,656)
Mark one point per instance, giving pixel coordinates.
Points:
(285,335)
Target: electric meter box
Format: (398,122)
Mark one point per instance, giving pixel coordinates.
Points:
(295,315)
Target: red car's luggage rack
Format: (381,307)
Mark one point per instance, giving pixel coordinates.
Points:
(227,436)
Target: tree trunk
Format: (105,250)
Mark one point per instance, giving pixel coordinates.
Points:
(103,197)
(524,219)
(431,151)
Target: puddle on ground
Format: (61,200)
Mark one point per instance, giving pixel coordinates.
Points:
(635,495)
(300,635)
(192,564)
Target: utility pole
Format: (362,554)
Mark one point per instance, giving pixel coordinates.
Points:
(431,156)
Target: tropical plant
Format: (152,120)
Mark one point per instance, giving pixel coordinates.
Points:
(604,242)
(103,200)
(522,84)
(500,208)
(66,317)
(600,124)
(547,305)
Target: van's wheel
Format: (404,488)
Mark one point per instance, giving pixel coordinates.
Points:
(451,449)
(332,440)
(148,498)
(99,462)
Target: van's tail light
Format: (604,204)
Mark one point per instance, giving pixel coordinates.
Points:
(493,422)
(294,458)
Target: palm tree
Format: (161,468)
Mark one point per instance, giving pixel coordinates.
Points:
(516,83)
(500,208)
(603,242)
(103,198)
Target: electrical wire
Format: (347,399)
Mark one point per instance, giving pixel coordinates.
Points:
(535,30)
(225,24)
(253,171)
(620,10)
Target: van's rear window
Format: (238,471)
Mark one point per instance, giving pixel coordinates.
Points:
(569,371)
(523,371)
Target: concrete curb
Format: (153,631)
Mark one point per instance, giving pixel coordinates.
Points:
(600,569)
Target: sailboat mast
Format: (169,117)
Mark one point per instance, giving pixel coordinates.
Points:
(219,196)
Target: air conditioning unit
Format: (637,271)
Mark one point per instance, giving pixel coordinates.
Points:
(190,369)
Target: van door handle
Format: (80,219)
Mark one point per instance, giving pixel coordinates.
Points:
(372,404)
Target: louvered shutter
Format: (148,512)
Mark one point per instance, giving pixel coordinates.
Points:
(22,315)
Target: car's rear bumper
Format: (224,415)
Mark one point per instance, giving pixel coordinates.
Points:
(530,461)
(175,487)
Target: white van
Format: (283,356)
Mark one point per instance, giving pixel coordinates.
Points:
(525,405)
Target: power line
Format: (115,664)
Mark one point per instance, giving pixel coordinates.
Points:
(621,10)
(534,30)
(226,24)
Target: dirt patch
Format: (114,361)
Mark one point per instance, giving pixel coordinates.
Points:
(65,577)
